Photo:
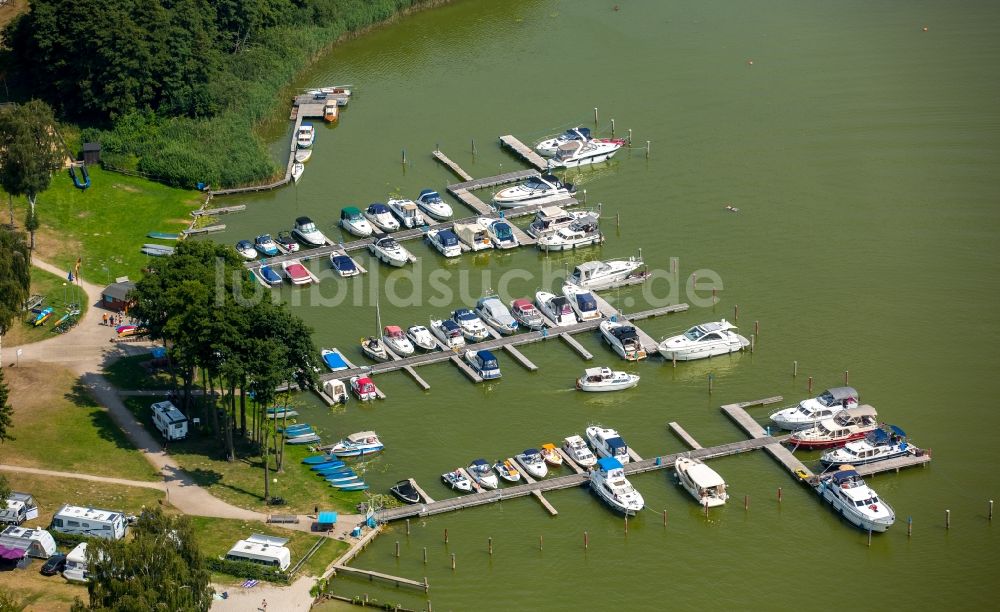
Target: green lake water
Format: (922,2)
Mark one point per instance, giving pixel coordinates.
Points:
(862,153)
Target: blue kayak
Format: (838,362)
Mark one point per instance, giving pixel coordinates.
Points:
(317,467)
(354,487)
(317,459)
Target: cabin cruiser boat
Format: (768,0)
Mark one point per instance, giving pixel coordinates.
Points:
(549,147)
(472,326)
(303,155)
(481,472)
(701,481)
(296,272)
(355,223)
(396,341)
(552,218)
(405,492)
(484,363)
(336,390)
(525,313)
(407,213)
(386,249)
(357,445)
(266,245)
(458,481)
(581,233)
(297,169)
(246,249)
(306,230)
(445,241)
(607,443)
(344,265)
(496,315)
(500,233)
(850,424)
(340,93)
(330,111)
(811,411)
(286,243)
(507,471)
(701,341)
(373,348)
(598,275)
(431,203)
(305,136)
(609,482)
(363,388)
(532,462)
(578,451)
(556,308)
(473,235)
(381,217)
(536,190)
(623,339)
(583,302)
(421,337)
(576,153)
(267,274)
(603,379)
(448,332)
(551,454)
(854,500)
(878,445)
(334,360)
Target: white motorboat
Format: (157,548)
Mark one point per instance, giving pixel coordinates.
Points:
(701,481)
(336,390)
(811,411)
(623,339)
(599,275)
(577,450)
(266,245)
(551,454)
(445,241)
(701,341)
(850,424)
(303,155)
(526,314)
(552,218)
(854,500)
(496,315)
(246,249)
(581,233)
(556,307)
(583,302)
(500,233)
(358,444)
(396,341)
(344,265)
(878,445)
(484,363)
(549,146)
(603,379)
(386,249)
(431,203)
(407,213)
(448,332)
(355,223)
(381,217)
(286,243)
(609,482)
(373,348)
(536,190)
(473,235)
(421,337)
(297,169)
(363,388)
(532,462)
(339,92)
(334,360)
(482,473)
(306,135)
(296,272)
(577,153)
(607,443)
(471,325)
(506,470)
(458,481)
(307,232)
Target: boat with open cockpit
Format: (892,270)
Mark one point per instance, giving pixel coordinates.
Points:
(853,499)
(703,341)
(811,411)
(549,146)
(536,190)
(609,482)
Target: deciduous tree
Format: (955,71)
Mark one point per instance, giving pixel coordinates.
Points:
(15,279)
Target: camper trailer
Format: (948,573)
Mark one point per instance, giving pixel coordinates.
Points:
(262,549)
(90,522)
(20,507)
(76,564)
(36,543)
(171,422)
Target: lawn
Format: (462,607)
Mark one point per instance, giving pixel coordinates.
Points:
(131,373)
(241,482)
(58,294)
(58,426)
(106,224)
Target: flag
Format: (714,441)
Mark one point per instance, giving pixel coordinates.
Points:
(69,276)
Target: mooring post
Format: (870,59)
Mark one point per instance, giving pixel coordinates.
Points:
(736,313)
(909,526)
(473,147)
(397,549)
(711,379)
(795,368)
(445,535)
(647,149)
(630,137)
(746,503)
(673,358)
(846,377)
(585,197)
(753,338)
(810,384)
(404,157)
(595,115)
(756,328)
(991,510)
(407,526)
(779,495)
(618,220)
(452,561)
(612,126)
(491,546)
(706,508)
(869,538)
(664,517)
(425,555)
(626,524)
(586,540)
(541,542)
(429,607)
(947,519)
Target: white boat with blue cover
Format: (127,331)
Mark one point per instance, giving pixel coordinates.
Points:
(607,443)
(431,203)
(357,444)
(266,245)
(484,363)
(854,500)
(407,212)
(623,338)
(500,232)
(471,325)
(496,315)
(445,241)
(448,332)
(583,302)
(532,462)
(556,307)
(536,190)
(481,471)
(879,445)
(344,265)
(268,275)
(549,146)
(307,232)
(609,482)
(381,217)
(355,223)
(334,360)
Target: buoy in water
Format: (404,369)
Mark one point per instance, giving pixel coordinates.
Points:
(925,28)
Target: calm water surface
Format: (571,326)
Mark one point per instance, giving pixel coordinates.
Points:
(862,152)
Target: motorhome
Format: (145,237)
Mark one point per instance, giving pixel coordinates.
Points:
(91,522)
(19,507)
(76,564)
(171,422)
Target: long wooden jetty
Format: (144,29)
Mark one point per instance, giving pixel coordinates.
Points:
(218,211)
(454,167)
(684,435)
(524,151)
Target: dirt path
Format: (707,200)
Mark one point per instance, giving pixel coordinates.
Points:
(160,486)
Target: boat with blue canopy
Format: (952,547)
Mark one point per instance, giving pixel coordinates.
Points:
(344,265)
(879,445)
(334,360)
(267,274)
(484,363)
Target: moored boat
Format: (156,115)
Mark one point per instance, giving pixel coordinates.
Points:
(471,325)
(306,135)
(579,452)
(583,302)
(536,190)
(405,492)
(407,212)
(303,155)
(556,307)
(854,500)
(330,111)
(296,272)
(604,379)
(458,481)
(246,249)
(431,203)
(600,275)
(386,249)
(607,443)
(381,217)
(526,314)
(445,241)
(480,471)
(532,462)
(500,232)
(358,444)
(552,218)
(506,470)
(702,482)
(551,454)
(354,222)
(702,341)
(448,332)
(307,232)
(811,411)
(395,340)
(473,235)
(373,348)
(578,153)
(496,315)
(286,243)
(364,388)
(623,338)
(344,265)
(334,360)
(266,245)
(267,274)
(850,424)
(421,337)
(581,233)
(484,363)
(549,146)
(298,168)
(609,482)
(878,445)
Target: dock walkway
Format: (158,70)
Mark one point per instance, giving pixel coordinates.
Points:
(454,167)
(524,152)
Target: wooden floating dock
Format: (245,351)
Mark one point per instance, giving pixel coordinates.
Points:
(218,211)
(408,369)
(464,367)
(372,575)
(524,152)
(427,498)
(516,354)
(444,159)
(684,435)
(465,197)
(493,181)
(570,340)
(753,429)
(536,492)
(919,457)
(208,229)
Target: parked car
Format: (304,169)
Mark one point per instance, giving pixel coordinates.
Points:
(55,564)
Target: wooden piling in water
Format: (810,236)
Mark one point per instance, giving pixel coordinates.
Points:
(991,510)
(756,328)
(795,368)
(711,379)
(746,503)
(810,384)
(630,137)
(846,377)
(869,538)
(407,526)
(647,149)
(664,517)
(612,127)
(626,524)
(541,542)
(909,526)
(425,555)
(445,535)
(947,519)
(779,495)
(595,116)
(490,544)
(452,561)
(397,549)
(753,338)
(586,540)
(736,313)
